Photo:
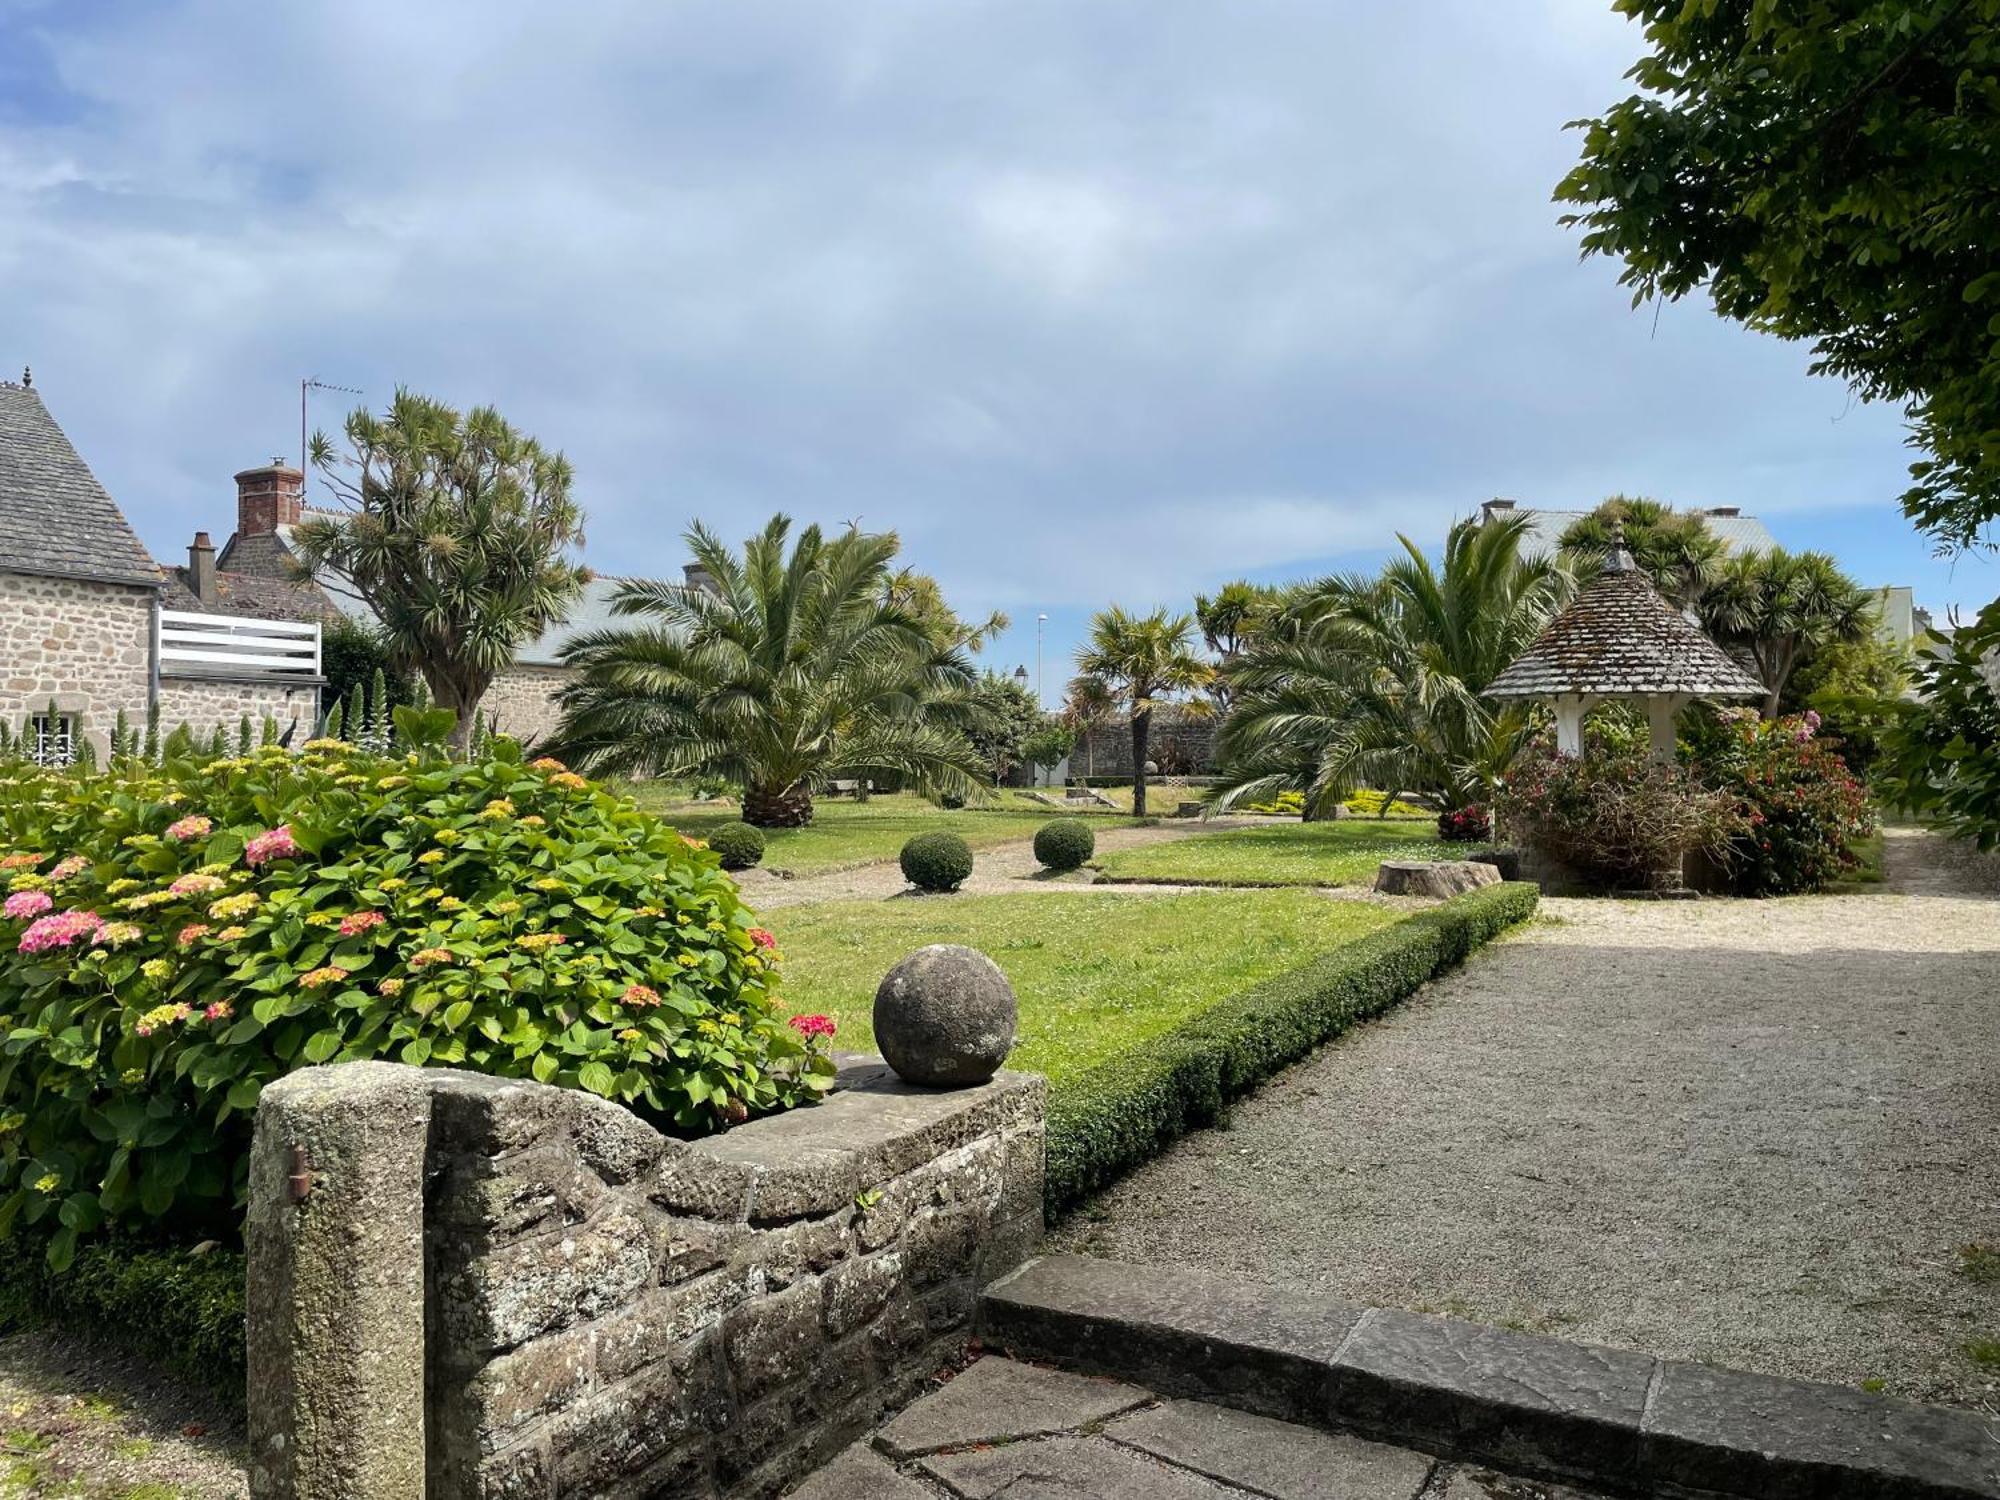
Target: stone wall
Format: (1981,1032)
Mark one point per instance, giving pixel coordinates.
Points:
(87,645)
(1107,750)
(600,1310)
(521,701)
(202,703)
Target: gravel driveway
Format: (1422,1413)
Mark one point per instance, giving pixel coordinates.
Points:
(1753,1133)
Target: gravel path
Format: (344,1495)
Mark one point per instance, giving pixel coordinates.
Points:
(87,1423)
(1751,1133)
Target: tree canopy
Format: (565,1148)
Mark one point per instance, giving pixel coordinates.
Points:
(1826,170)
(1140,662)
(457,533)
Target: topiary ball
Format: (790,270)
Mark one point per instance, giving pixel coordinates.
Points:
(936,862)
(944,1016)
(1064,844)
(740,845)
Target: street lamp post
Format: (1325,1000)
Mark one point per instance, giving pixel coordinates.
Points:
(1040,621)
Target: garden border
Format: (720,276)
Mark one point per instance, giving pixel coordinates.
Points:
(1124,1111)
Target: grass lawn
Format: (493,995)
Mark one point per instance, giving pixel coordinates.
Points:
(845,833)
(1339,853)
(1095,974)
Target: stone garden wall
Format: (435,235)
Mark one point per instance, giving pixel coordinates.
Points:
(499,1289)
(86,645)
(521,701)
(202,703)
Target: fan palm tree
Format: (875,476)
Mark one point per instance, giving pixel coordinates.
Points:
(779,672)
(1088,705)
(1139,661)
(1376,681)
(1780,608)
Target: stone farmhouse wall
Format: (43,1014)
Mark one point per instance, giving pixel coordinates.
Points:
(202,703)
(521,701)
(499,1289)
(86,645)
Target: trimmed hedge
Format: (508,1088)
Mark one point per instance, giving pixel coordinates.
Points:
(1126,1110)
(738,845)
(1064,844)
(936,862)
(181,1311)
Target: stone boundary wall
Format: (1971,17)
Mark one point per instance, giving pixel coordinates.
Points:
(499,1289)
(1107,749)
(202,703)
(521,701)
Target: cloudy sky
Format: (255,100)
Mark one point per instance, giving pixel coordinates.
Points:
(1088,299)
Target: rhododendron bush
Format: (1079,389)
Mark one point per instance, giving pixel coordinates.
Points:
(174,938)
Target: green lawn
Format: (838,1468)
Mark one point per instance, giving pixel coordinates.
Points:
(1095,974)
(1340,853)
(845,833)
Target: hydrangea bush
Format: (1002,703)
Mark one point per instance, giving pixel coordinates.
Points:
(176,937)
(1803,809)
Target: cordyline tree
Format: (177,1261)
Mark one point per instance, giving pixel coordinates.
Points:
(1139,662)
(1674,548)
(457,533)
(787,669)
(1826,170)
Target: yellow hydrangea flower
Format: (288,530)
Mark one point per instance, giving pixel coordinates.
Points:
(431,857)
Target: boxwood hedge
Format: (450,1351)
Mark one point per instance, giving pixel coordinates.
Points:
(1126,1110)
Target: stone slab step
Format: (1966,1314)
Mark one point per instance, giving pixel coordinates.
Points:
(1535,1405)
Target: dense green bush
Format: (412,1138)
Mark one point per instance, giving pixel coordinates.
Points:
(1065,844)
(179,1309)
(175,938)
(1615,815)
(738,845)
(1940,756)
(1123,1112)
(1804,811)
(936,862)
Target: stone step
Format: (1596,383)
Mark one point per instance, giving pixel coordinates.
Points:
(1607,1417)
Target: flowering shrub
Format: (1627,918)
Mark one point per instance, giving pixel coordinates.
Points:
(1803,810)
(209,928)
(1615,816)
(1471,824)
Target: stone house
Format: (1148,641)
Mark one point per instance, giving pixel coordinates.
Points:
(90,623)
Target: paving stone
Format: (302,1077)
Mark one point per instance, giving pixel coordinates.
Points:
(1747,1434)
(1486,1484)
(1271,1457)
(1181,1333)
(860,1474)
(1494,1395)
(999,1399)
(1068,1468)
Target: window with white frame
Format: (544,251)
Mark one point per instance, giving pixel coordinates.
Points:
(52,739)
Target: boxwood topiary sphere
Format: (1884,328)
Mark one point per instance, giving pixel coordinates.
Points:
(936,861)
(1065,844)
(740,845)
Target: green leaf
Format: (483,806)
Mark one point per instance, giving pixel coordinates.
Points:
(223,849)
(597,1078)
(457,1014)
(243,1093)
(418,1052)
(323,1045)
(544,1067)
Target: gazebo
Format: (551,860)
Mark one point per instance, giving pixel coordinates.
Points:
(1619,639)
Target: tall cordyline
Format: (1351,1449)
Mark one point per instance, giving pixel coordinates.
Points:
(1141,662)
(784,667)
(458,532)
(1376,681)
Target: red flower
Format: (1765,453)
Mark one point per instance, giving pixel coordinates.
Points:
(812,1026)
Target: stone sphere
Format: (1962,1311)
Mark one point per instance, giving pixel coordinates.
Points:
(944,1017)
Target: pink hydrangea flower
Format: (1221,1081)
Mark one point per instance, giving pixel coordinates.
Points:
(762,937)
(59,931)
(641,996)
(71,865)
(812,1026)
(194,826)
(197,885)
(23,904)
(277,844)
(356,923)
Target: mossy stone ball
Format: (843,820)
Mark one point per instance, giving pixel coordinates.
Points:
(944,1017)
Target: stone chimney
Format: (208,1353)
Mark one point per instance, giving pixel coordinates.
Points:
(201,570)
(1725,510)
(268,498)
(698,577)
(1495,509)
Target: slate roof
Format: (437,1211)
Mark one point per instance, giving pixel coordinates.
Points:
(1620,638)
(1737,533)
(55,518)
(250,596)
(592,611)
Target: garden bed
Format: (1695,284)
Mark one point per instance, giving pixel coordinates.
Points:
(1284,854)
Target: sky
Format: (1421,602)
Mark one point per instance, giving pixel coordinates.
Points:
(1088,300)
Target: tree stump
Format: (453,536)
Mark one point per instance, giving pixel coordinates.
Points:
(1440,879)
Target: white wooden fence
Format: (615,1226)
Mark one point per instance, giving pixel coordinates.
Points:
(192,644)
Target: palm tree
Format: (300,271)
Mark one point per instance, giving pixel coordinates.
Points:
(1139,661)
(1780,608)
(1376,681)
(780,672)
(1088,705)
(1674,548)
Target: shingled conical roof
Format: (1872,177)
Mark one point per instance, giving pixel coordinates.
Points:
(1618,639)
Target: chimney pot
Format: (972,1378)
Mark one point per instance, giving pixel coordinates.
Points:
(1725,510)
(268,498)
(201,570)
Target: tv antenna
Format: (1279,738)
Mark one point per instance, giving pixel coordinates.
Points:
(307,386)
